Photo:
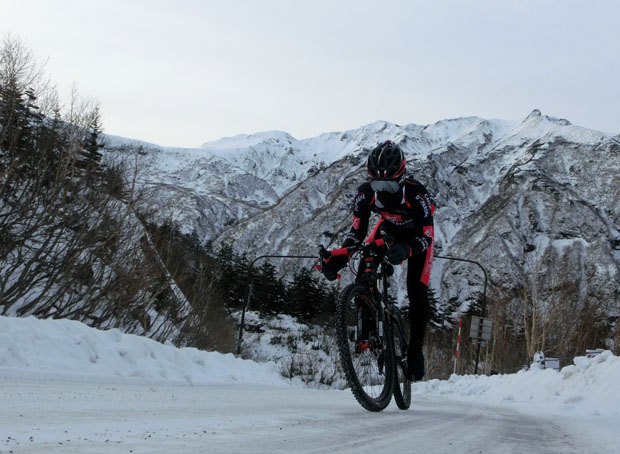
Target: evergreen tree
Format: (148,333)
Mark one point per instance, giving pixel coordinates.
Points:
(437,315)
(193,242)
(306,297)
(235,275)
(268,290)
(90,155)
(19,119)
(442,314)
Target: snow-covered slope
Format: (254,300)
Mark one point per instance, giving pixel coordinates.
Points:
(237,178)
(501,188)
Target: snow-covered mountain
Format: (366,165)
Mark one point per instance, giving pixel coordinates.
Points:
(537,196)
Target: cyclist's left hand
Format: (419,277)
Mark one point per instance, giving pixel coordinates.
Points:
(398,253)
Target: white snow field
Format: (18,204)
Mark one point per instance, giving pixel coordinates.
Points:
(68,388)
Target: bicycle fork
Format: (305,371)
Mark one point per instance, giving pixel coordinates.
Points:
(363,330)
(367,336)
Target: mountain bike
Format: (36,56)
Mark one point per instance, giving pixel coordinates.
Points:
(370,330)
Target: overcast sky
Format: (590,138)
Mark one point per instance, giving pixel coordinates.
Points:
(182,72)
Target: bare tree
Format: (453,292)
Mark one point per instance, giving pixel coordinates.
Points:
(71,244)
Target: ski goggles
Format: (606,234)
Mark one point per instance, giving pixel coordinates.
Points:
(390,186)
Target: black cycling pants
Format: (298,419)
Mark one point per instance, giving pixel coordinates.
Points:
(419,305)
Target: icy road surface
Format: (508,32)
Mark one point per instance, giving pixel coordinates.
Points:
(38,417)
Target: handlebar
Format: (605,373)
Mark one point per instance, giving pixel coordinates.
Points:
(351,249)
(324,253)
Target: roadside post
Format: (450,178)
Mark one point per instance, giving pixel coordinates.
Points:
(480,332)
(458,343)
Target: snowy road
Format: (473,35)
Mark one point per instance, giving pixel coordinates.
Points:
(68,388)
(95,418)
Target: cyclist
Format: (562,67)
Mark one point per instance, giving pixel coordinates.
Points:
(406,211)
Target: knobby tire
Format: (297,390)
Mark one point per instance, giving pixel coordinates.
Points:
(371,388)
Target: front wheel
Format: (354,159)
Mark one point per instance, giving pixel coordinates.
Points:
(365,348)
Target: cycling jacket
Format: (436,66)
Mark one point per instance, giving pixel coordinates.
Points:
(406,214)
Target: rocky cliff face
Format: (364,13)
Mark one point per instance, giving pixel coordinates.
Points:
(538,197)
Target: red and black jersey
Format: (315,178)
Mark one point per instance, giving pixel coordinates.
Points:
(406,214)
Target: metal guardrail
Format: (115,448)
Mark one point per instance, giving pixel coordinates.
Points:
(249,295)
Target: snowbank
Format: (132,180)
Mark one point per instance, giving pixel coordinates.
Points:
(69,350)
(57,350)
(588,388)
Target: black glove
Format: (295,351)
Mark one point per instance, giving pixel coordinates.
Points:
(332,265)
(350,241)
(420,245)
(398,252)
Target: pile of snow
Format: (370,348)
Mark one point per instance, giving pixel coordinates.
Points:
(69,350)
(587,388)
(61,350)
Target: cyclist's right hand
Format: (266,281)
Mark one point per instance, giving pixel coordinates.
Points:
(331,264)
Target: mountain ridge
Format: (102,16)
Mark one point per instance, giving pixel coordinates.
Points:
(279,194)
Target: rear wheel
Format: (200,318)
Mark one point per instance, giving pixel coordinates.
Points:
(367,359)
(402,386)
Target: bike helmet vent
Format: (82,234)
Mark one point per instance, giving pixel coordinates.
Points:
(386,162)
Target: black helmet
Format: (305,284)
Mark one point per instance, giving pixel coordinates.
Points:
(386,167)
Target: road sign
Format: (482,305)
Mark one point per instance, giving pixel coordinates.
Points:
(481,328)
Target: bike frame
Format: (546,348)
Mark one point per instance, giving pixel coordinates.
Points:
(370,274)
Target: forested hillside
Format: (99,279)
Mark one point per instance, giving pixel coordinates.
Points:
(71,243)
(74,245)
